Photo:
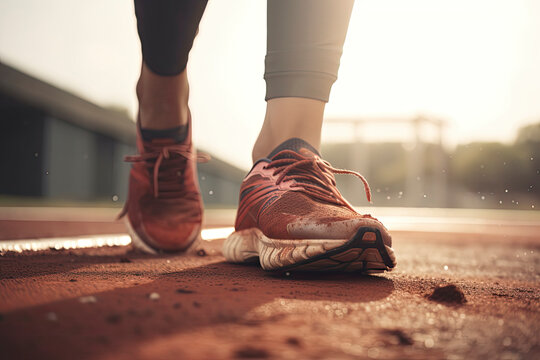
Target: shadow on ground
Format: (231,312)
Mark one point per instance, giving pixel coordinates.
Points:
(199,292)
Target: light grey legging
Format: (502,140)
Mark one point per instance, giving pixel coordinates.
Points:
(304,41)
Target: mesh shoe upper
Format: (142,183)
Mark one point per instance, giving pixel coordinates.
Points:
(293,195)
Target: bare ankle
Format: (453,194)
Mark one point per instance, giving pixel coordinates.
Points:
(288,118)
(163,100)
(163,115)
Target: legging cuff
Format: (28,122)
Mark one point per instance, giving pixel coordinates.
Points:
(311,85)
(306,73)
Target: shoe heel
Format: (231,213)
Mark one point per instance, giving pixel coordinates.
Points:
(241,247)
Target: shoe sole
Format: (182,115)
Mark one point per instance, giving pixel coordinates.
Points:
(364,252)
(142,246)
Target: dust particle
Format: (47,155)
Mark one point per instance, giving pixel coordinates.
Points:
(177,305)
(201,252)
(249,352)
(449,294)
(196,304)
(51,316)
(72,280)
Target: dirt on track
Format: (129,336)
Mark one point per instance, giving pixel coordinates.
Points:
(111,303)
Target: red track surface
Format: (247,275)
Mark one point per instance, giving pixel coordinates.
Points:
(208,309)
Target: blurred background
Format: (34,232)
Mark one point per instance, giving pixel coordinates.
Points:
(437,103)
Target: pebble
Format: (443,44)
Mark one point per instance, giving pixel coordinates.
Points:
(184,291)
(450,294)
(249,352)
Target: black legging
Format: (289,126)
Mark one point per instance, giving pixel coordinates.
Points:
(304,42)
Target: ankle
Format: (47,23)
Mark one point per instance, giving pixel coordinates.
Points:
(163,100)
(289,118)
(163,115)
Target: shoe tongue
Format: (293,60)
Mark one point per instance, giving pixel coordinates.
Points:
(299,146)
(294,144)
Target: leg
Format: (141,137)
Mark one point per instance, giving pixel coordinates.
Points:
(291,215)
(167,29)
(164,207)
(305,41)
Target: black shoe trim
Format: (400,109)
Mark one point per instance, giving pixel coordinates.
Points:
(355,242)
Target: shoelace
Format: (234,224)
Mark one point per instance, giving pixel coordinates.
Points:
(313,176)
(167,169)
(171,169)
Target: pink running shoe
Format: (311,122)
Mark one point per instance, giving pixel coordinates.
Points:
(163,212)
(291,216)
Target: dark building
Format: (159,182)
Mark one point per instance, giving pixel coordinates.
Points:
(57,146)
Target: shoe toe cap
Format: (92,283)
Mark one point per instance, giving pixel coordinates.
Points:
(335,228)
(170,237)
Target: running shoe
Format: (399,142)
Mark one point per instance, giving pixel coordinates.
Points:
(291,216)
(163,212)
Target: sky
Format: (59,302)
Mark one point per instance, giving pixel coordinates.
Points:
(474,64)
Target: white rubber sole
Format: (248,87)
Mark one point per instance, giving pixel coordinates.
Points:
(142,246)
(364,252)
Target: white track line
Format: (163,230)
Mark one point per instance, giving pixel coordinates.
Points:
(81,242)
